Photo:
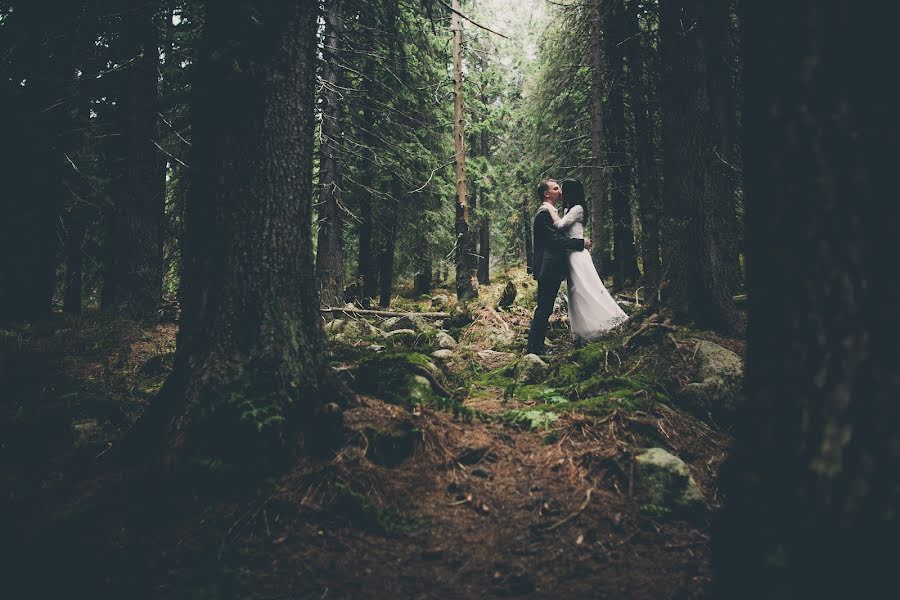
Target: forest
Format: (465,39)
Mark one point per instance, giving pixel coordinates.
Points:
(274,298)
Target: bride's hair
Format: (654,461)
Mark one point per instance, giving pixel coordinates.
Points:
(573,192)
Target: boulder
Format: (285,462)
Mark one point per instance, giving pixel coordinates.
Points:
(491,359)
(443,353)
(719,391)
(668,482)
(439,301)
(335,326)
(459,316)
(508,296)
(86,432)
(530,369)
(414,322)
(445,340)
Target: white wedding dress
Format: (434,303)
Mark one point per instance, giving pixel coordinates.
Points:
(592,310)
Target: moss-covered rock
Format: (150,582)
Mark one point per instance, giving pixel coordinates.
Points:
(398,378)
(719,391)
(530,369)
(668,482)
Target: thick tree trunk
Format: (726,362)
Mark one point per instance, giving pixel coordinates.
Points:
(718,29)
(625,268)
(330,250)
(249,369)
(37,88)
(648,201)
(134,275)
(466,262)
(598,139)
(812,487)
(697,279)
(484,225)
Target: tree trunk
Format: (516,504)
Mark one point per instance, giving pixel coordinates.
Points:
(466,263)
(367,267)
(812,486)
(76,227)
(39,69)
(484,226)
(526,226)
(249,369)
(386,268)
(598,139)
(648,201)
(625,269)
(697,281)
(134,275)
(330,251)
(720,57)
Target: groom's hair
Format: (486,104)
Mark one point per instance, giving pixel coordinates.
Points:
(542,188)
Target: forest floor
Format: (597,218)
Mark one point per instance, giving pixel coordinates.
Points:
(480,485)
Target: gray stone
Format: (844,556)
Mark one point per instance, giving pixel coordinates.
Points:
(719,391)
(530,369)
(439,301)
(668,481)
(405,337)
(491,359)
(445,340)
(335,326)
(443,353)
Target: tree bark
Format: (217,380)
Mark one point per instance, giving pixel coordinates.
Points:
(484,226)
(330,251)
(648,201)
(387,255)
(39,69)
(598,139)
(249,373)
(526,226)
(466,264)
(697,280)
(367,267)
(134,274)
(812,486)
(719,44)
(625,268)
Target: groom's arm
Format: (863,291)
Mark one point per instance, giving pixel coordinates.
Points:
(554,237)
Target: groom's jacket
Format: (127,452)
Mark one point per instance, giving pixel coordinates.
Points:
(550,246)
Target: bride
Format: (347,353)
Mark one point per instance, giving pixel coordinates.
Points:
(592,310)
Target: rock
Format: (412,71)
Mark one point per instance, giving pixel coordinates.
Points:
(361,329)
(530,369)
(86,432)
(335,326)
(459,316)
(443,353)
(668,481)
(400,333)
(508,296)
(414,322)
(720,390)
(420,391)
(439,301)
(491,359)
(445,340)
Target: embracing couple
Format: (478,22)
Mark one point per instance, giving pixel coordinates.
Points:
(560,251)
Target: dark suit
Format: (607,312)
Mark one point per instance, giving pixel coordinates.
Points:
(551,266)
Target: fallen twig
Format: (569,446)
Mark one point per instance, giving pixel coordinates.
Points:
(581,508)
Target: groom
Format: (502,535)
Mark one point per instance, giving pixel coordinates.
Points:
(550,262)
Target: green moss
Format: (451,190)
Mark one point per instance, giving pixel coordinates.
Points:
(531,419)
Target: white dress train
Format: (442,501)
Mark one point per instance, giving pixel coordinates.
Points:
(592,310)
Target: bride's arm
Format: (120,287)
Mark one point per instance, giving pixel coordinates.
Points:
(575,214)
